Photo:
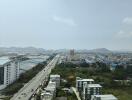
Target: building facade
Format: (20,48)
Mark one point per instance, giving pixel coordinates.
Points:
(9,71)
(91,89)
(49,92)
(55,78)
(80,81)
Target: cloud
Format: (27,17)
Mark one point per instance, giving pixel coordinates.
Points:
(124,34)
(127,20)
(126,31)
(63,20)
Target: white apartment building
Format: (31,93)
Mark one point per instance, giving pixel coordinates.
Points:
(49,92)
(9,71)
(55,78)
(91,89)
(80,81)
(103,97)
(46,96)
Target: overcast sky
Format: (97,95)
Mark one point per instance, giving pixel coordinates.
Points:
(57,24)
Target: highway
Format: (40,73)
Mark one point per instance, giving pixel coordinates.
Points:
(29,89)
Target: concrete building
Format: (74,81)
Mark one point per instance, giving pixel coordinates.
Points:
(72,52)
(103,97)
(80,81)
(46,96)
(49,92)
(91,89)
(9,71)
(55,78)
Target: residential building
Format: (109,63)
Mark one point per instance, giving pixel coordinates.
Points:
(80,81)
(46,95)
(91,89)
(49,92)
(9,71)
(103,97)
(55,78)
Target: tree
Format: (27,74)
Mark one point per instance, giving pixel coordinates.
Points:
(119,73)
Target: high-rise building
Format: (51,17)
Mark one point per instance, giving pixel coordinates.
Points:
(55,78)
(91,89)
(49,92)
(72,52)
(80,81)
(9,71)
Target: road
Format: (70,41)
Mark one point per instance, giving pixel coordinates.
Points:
(29,89)
(76,93)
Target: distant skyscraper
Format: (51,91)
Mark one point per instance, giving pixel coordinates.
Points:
(72,52)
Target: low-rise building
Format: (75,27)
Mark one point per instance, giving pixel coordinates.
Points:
(103,97)
(91,89)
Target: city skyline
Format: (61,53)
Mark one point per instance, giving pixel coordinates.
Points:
(58,24)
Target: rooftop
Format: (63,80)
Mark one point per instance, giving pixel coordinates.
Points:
(55,75)
(3,60)
(94,85)
(105,97)
(85,80)
(46,93)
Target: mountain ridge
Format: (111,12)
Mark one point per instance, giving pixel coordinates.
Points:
(41,50)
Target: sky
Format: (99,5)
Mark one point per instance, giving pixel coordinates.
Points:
(59,24)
